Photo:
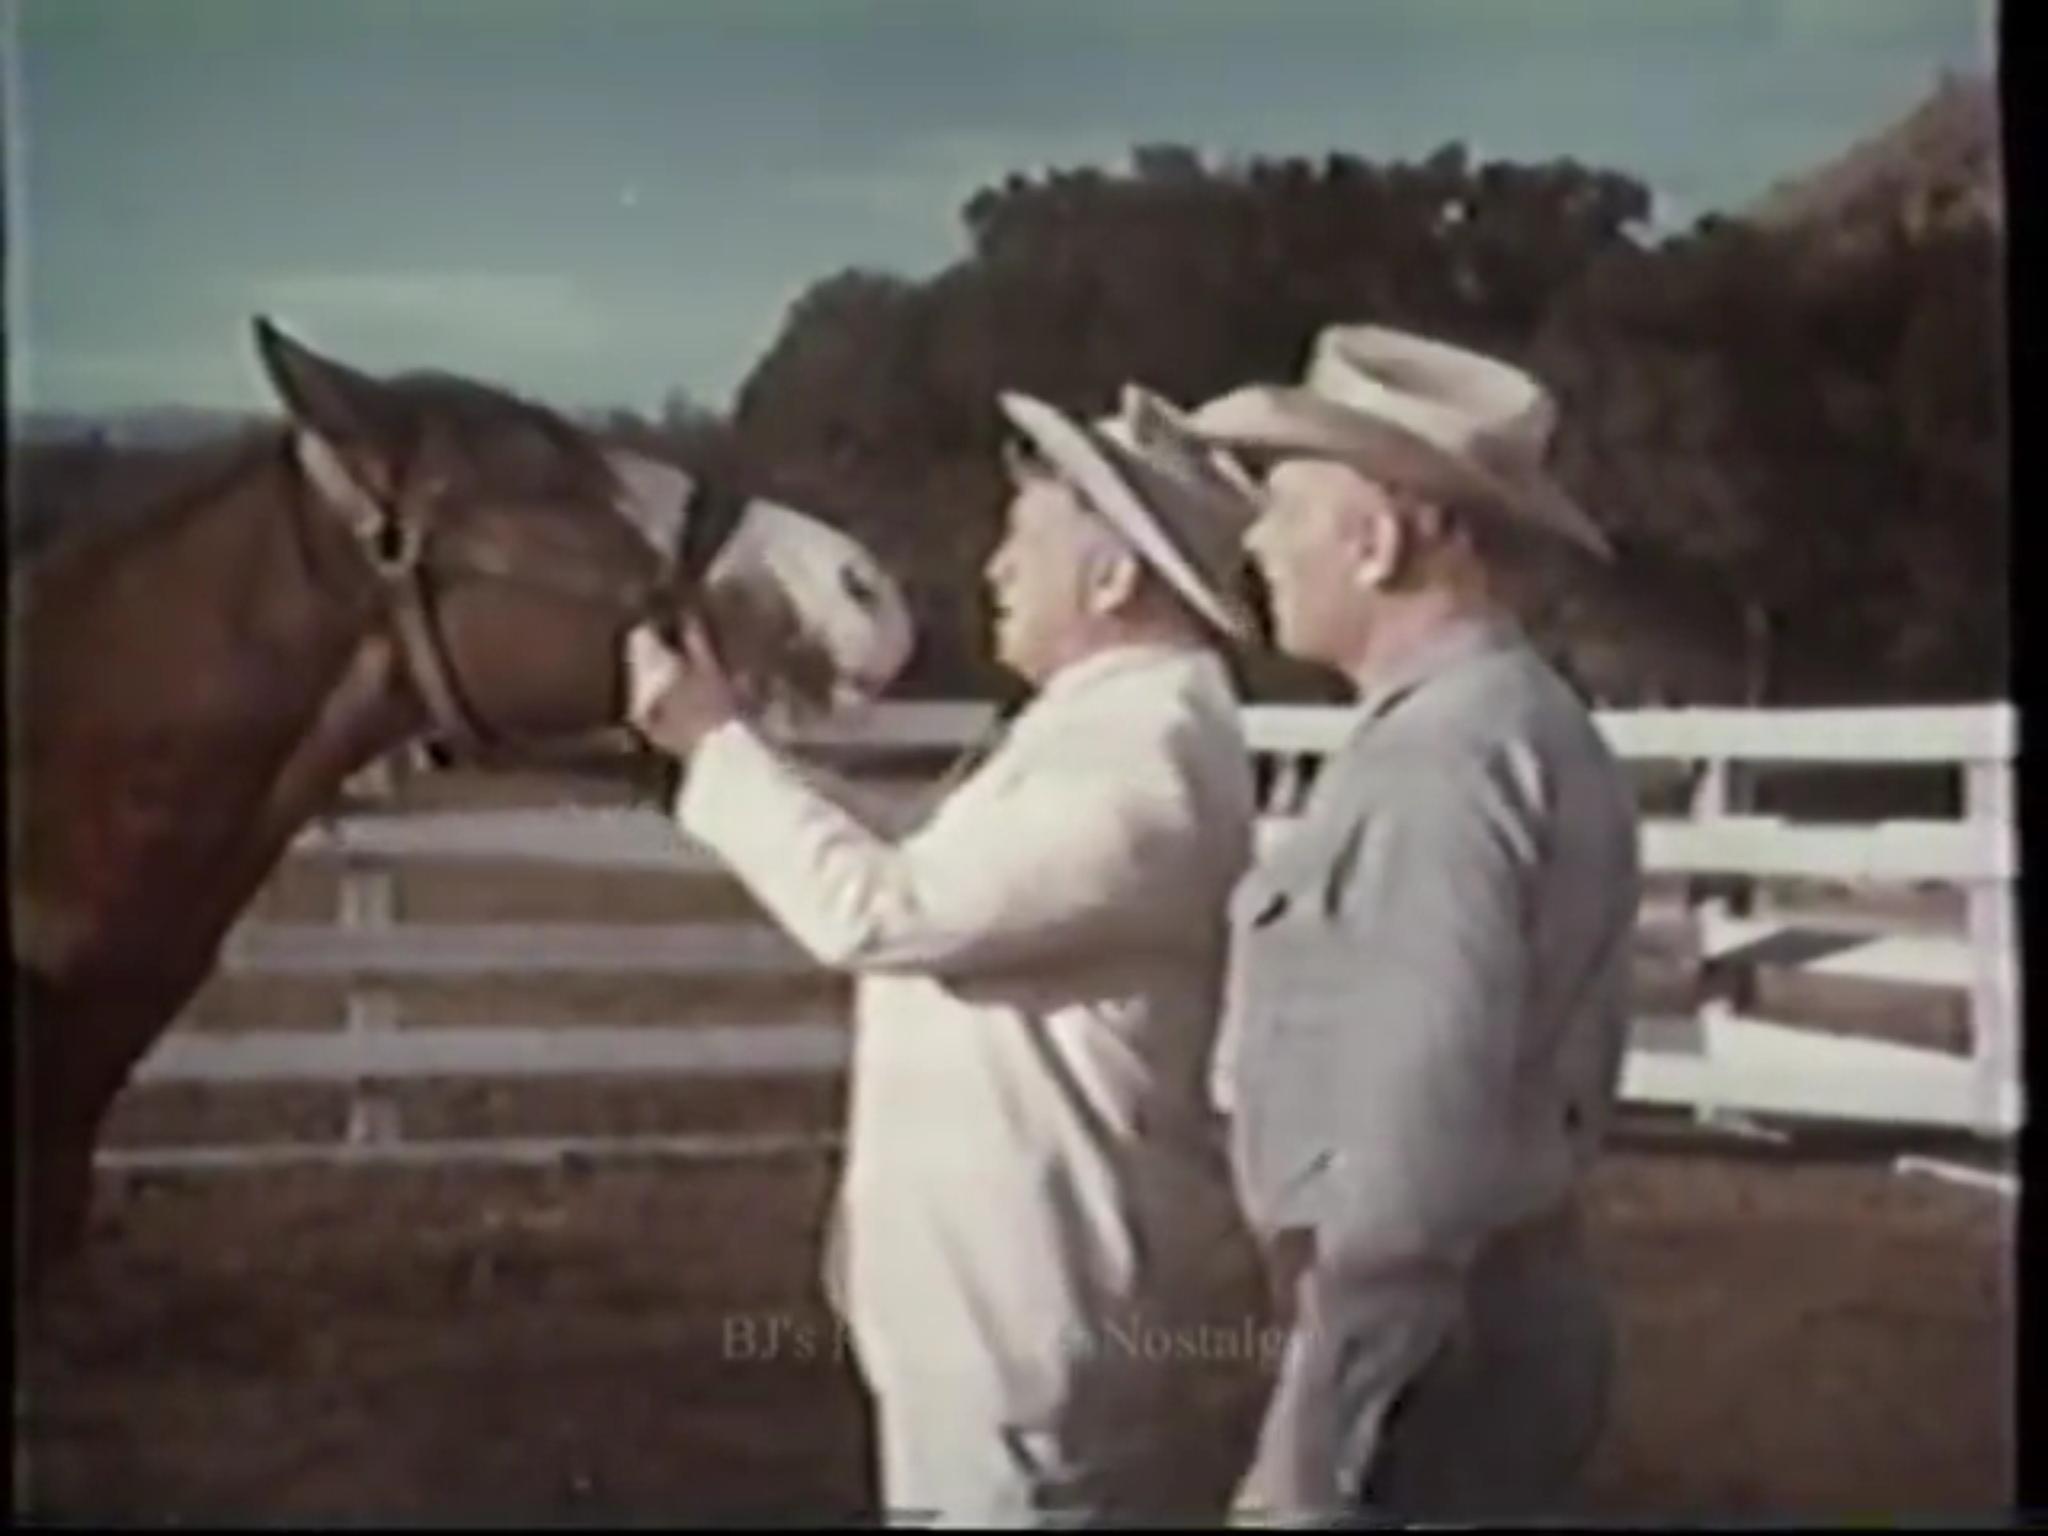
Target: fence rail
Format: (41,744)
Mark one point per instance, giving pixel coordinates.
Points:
(1719,1056)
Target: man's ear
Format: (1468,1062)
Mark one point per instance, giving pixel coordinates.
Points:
(350,416)
(1114,576)
(1381,542)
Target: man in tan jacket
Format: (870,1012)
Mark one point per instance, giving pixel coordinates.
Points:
(1041,1252)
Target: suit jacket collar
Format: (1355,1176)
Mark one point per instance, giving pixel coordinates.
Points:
(1089,673)
(1450,647)
(1070,691)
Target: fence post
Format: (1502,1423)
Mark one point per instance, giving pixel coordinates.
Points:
(1710,791)
(1722,988)
(1288,787)
(368,901)
(1994,969)
(1284,788)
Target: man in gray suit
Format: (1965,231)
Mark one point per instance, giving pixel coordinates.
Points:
(1428,1006)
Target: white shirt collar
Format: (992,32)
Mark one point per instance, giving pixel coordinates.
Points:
(1117,660)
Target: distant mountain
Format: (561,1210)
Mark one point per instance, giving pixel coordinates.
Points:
(1938,164)
(164,426)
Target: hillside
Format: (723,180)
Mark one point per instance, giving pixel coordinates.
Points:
(1938,164)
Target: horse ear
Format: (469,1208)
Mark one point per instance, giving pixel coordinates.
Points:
(655,497)
(347,411)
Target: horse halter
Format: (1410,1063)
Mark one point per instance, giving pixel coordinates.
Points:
(409,558)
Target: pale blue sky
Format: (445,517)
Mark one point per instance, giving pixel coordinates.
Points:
(594,201)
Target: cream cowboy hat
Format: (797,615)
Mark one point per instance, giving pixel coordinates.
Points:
(1415,411)
(1183,505)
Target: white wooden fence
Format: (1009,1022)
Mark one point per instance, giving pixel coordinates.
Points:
(1717,1057)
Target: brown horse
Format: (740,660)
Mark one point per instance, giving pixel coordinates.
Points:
(190,683)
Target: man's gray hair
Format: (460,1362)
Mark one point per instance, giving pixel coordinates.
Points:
(1502,544)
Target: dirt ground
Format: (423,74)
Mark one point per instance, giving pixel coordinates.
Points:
(1805,1338)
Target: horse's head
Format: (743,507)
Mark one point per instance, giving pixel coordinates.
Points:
(515,550)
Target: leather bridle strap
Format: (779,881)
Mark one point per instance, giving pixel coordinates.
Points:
(420,639)
(395,547)
(427,663)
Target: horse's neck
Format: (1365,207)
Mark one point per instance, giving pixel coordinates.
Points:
(193,694)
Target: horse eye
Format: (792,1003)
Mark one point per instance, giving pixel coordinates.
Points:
(858,587)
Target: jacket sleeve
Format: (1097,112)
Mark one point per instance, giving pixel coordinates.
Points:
(1424,915)
(1077,852)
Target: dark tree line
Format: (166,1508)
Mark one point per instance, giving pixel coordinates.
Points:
(876,404)
(1796,434)
(1802,443)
